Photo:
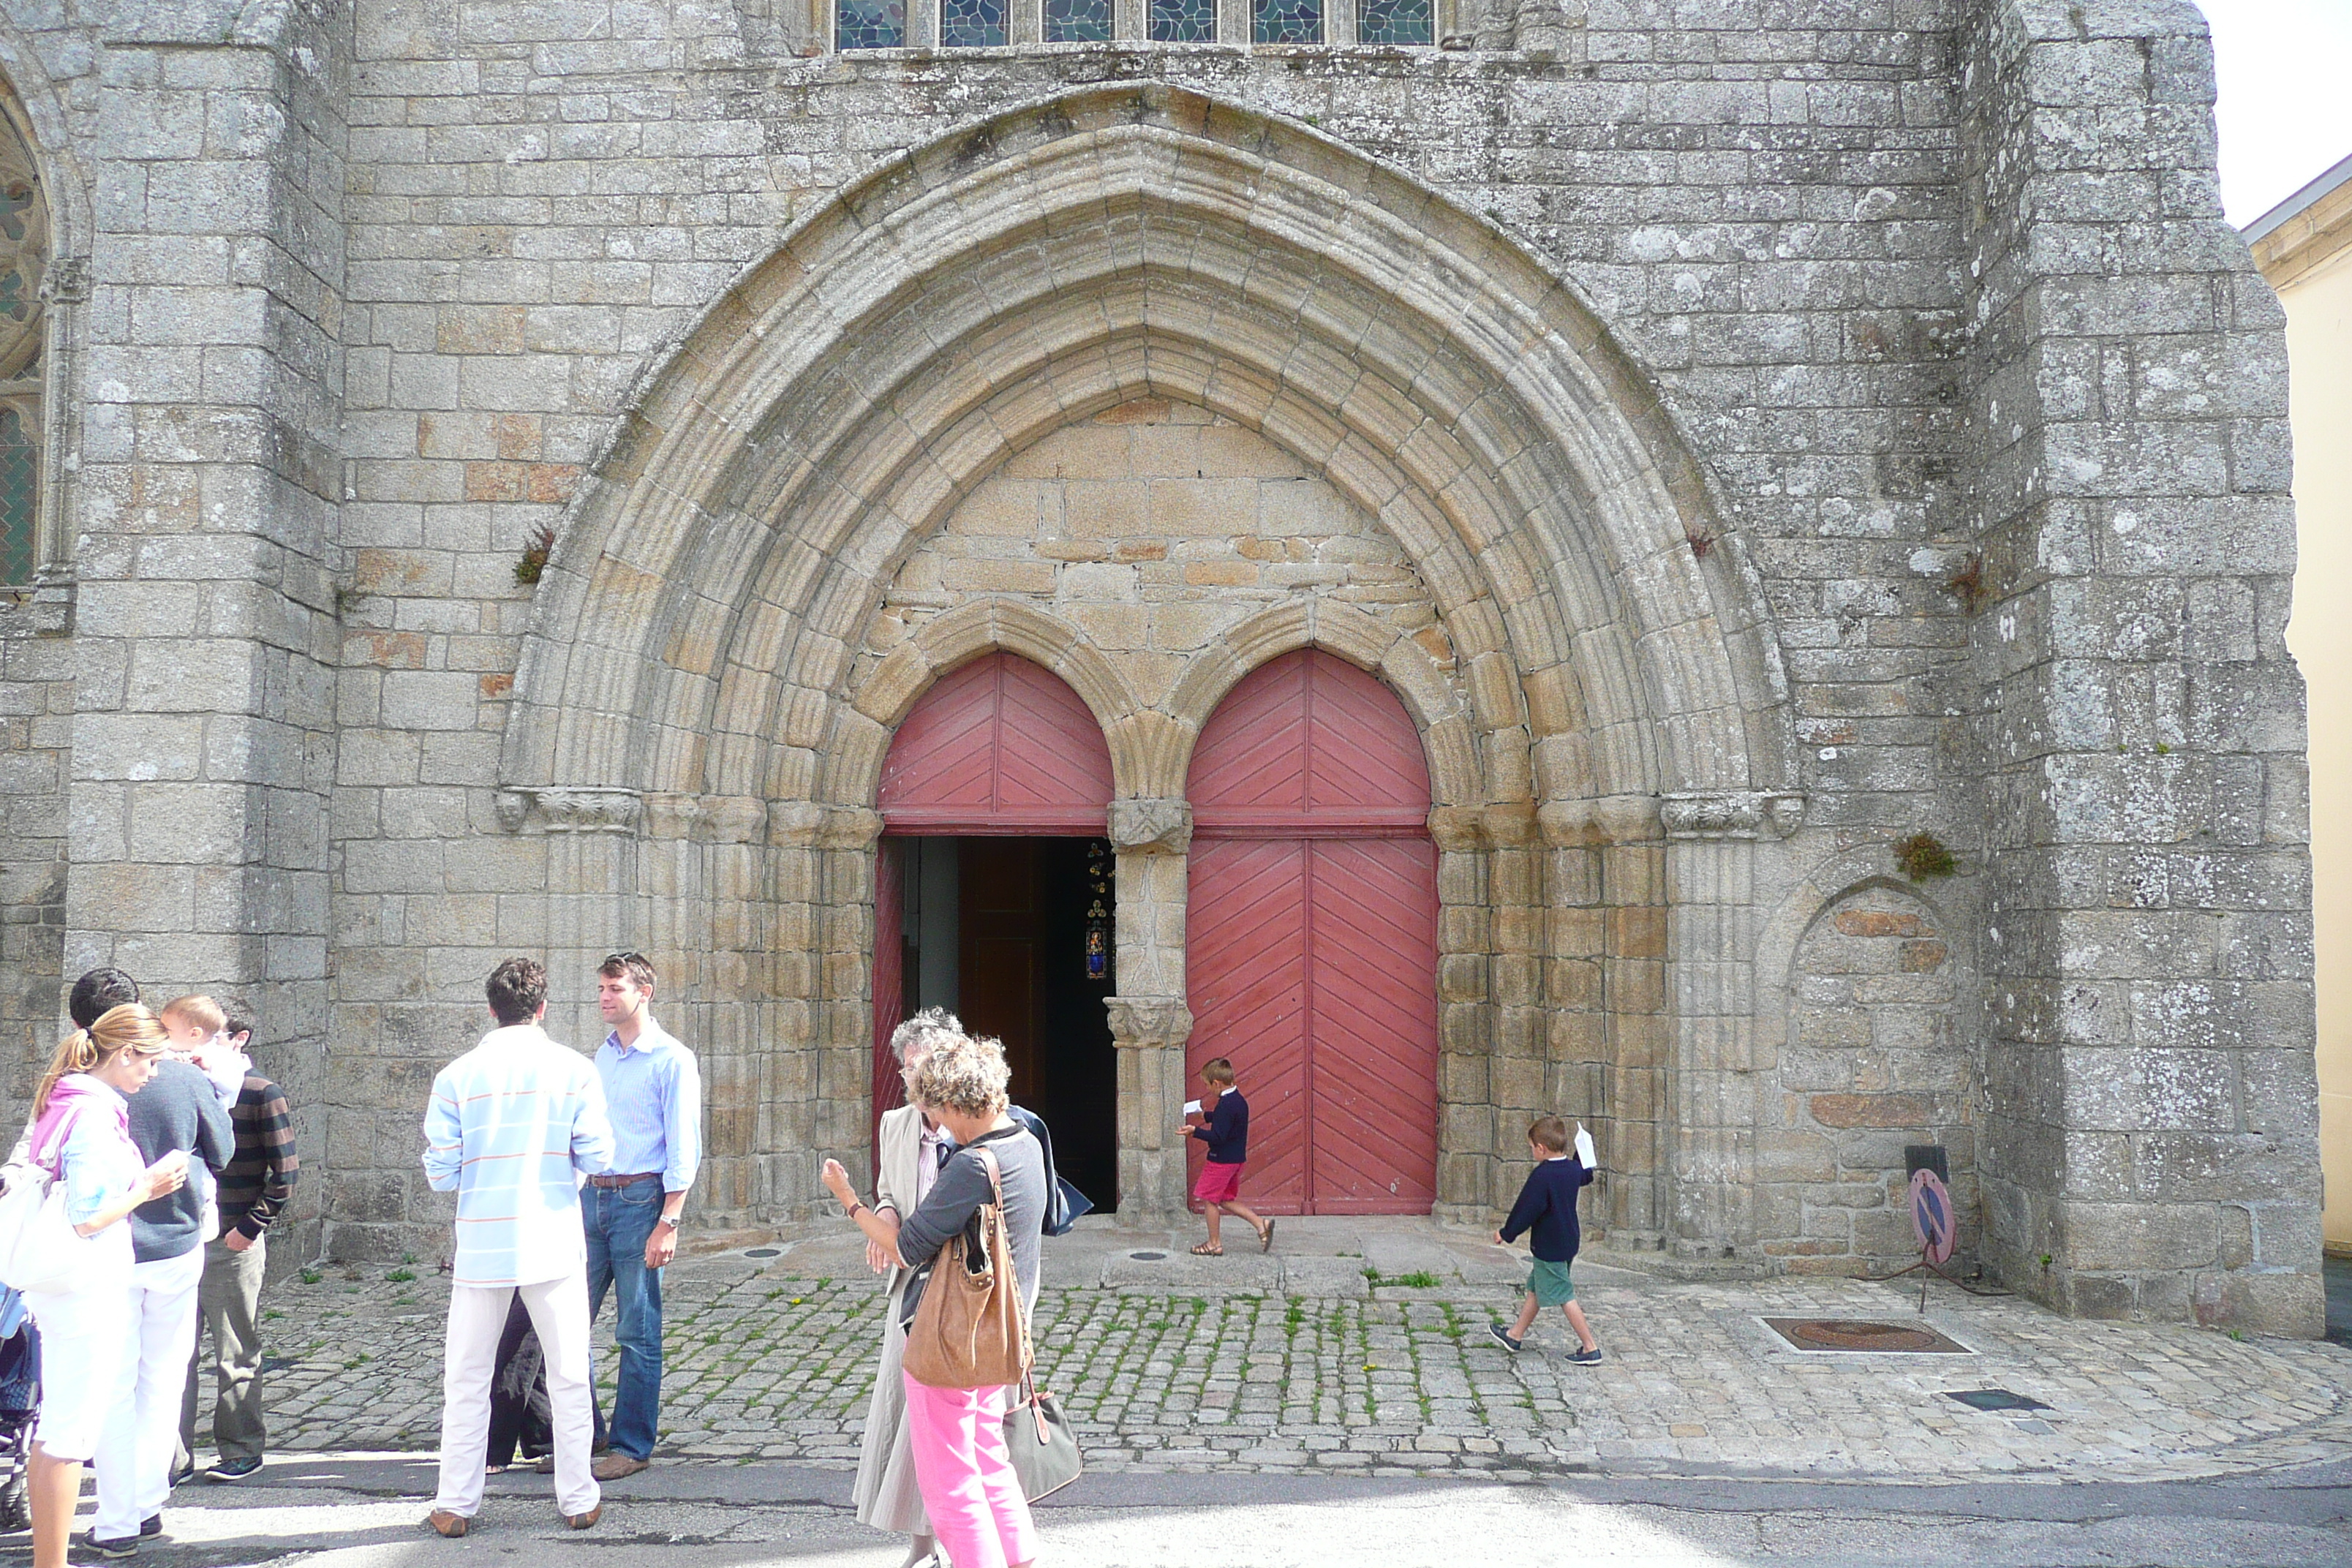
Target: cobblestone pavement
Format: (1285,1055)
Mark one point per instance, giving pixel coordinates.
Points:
(1363,1347)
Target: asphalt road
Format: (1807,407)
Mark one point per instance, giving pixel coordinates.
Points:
(366,1513)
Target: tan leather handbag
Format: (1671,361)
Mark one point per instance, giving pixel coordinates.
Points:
(969,1330)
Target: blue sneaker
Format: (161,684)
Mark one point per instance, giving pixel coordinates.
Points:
(1504,1336)
(1586,1358)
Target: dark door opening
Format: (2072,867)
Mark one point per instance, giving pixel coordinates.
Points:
(995,930)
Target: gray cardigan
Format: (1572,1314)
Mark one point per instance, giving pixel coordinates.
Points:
(956,1197)
(177,1108)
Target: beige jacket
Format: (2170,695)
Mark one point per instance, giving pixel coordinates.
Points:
(901,1149)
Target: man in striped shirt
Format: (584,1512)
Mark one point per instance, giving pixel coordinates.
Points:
(252,1193)
(513,1126)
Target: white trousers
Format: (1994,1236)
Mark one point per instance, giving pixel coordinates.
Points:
(136,1445)
(88,1362)
(559,1311)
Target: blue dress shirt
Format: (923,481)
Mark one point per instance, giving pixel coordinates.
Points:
(653,1092)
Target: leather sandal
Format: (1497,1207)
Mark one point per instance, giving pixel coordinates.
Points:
(1205,1250)
(584,1520)
(446,1523)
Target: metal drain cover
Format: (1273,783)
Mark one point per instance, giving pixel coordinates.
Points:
(1994,1399)
(763,1252)
(1860,1336)
(1148,1256)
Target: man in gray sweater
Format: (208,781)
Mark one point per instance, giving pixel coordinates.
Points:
(178,1109)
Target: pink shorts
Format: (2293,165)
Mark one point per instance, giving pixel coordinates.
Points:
(1218,1183)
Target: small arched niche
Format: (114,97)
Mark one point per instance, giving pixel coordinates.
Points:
(1875,1063)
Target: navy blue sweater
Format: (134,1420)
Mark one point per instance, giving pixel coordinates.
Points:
(1225,1130)
(178,1110)
(1546,1211)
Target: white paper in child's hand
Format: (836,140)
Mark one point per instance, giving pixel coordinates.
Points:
(1191,1108)
(1584,1148)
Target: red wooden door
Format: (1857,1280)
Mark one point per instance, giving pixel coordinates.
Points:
(1001,745)
(1245,966)
(1311,954)
(1372,1024)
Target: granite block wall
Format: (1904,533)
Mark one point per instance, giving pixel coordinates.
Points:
(1985,490)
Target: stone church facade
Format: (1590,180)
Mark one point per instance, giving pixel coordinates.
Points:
(1813,473)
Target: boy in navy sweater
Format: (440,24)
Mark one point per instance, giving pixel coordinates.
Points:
(1546,1214)
(1225,1128)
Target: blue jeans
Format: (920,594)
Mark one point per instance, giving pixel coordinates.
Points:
(618,1221)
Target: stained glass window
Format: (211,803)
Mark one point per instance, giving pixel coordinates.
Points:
(971,24)
(1078,21)
(1394,22)
(1287,21)
(1183,21)
(20,489)
(24,252)
(869,24)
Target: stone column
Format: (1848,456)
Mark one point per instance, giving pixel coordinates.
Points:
(1587,1073)
(1150,1032)
(1149,1022)
(1711,840)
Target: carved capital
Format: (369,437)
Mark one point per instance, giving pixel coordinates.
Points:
(556,810)
(849,827)
(1161,825)
(795,823)
(1732,813)
(1508,825)
(1499,825)
(810,825)
(65,279)
(1608,819)
(1136,1022)
(705,818)
(1458,829)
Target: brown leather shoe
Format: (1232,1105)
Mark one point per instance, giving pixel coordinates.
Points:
(613,1467)
(443,1522)
(584,1520)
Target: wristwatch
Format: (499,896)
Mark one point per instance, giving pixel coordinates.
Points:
(665,1219)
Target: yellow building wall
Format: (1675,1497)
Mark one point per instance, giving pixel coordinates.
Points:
(2319,349)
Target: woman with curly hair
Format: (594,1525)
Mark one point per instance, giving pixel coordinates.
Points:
(957,1434)
(81,1134)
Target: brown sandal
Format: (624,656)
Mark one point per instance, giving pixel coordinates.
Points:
(1205,1250)
(445,1523)
(1266,1237)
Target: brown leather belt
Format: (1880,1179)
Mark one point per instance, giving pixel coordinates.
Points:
(608,1182)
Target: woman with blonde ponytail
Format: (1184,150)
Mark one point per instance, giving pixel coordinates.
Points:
(82,1133)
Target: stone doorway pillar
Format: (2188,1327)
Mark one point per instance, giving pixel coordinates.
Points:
(1713,839)
(1149,1022)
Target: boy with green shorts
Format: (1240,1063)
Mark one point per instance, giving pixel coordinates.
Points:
(1546,1214)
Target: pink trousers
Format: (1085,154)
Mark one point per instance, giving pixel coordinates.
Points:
(956,1439)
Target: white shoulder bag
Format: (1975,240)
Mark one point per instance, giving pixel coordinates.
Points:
(39,1249)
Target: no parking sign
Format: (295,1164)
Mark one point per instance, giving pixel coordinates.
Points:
(1931,1216)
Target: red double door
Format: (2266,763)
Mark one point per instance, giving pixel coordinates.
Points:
(1311,951)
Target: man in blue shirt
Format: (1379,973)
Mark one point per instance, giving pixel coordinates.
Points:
(654,1095)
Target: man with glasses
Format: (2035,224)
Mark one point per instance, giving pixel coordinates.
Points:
(653,1094)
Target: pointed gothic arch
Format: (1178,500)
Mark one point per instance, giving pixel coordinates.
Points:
(696,635)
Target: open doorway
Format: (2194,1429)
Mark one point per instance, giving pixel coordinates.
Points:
(997,930)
